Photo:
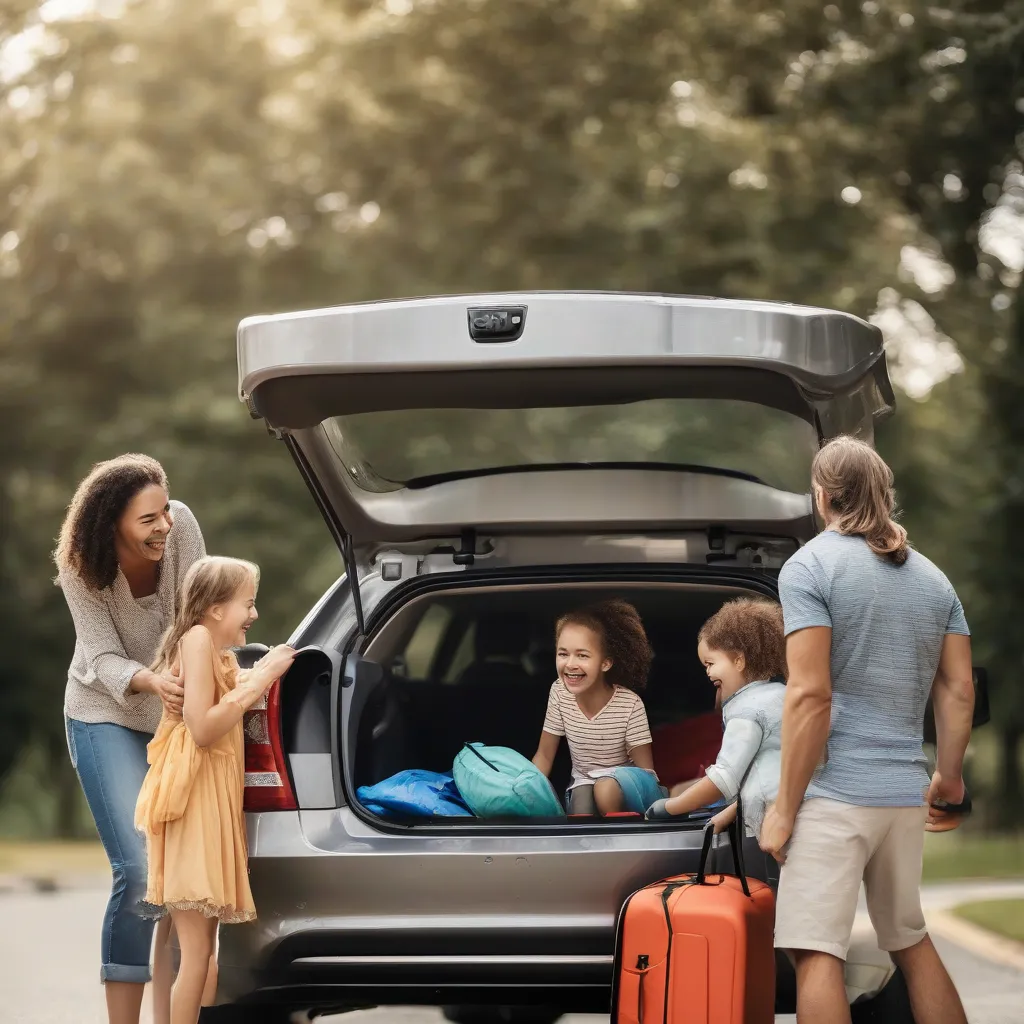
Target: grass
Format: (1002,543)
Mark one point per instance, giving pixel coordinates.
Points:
(1004,917)
(52,859)
(962,855)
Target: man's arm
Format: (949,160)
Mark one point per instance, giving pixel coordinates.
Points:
(806,714)
(953,703)
(806,718)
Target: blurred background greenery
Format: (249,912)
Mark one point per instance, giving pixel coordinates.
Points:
(169,166)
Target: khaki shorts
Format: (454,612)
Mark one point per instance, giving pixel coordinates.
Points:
(834,847)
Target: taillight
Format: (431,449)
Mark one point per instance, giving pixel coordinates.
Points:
(267,786)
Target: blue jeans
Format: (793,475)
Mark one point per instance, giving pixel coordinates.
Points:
(111,763)
(639,790)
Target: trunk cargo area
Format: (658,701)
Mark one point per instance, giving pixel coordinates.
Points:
(470,664)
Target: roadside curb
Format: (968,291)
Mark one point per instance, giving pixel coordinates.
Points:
(976,939)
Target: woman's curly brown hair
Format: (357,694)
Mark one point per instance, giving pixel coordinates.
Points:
(623,639)
(751,627)
(86,544)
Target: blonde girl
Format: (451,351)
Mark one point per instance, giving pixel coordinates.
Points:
(190,806)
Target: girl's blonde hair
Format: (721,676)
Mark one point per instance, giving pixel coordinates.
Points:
(859,488)
(212,580)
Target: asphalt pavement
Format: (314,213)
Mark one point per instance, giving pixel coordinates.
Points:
(49,957)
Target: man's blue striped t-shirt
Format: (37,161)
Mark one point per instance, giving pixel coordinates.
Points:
(888,624)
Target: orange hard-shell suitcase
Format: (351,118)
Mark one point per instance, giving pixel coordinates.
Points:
(697,948)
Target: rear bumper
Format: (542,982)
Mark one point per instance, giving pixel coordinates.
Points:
(575,982)
(541,962)
(350,916)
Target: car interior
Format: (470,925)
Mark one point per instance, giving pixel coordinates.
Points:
(477,665)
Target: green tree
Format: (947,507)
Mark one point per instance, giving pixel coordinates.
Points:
(172,168)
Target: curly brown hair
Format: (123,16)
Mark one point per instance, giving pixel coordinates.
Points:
(623,639)
(754,628)
(86,544)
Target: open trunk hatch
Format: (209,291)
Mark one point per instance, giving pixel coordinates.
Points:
(556,412)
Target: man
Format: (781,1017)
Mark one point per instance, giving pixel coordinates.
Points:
(872,629)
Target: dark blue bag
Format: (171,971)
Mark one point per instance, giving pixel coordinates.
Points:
(414,793)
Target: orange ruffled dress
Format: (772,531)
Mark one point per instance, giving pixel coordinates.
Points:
(190,811)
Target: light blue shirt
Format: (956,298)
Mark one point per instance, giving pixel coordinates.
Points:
(888,625)
(751,749)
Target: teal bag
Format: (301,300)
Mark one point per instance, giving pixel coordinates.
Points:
(498,782)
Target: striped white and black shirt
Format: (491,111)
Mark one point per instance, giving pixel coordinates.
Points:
(604,741)
(116,634)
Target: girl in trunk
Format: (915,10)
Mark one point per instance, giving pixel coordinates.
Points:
(190,806)
(602,658)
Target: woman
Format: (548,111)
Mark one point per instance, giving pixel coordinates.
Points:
(873,629)
(124,549)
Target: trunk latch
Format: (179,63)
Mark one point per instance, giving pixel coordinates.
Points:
(496,323)
(466,555)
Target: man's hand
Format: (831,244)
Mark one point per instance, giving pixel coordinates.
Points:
(167,686)
(943,792)
(775,834)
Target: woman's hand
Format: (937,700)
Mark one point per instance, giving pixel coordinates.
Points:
(166,685)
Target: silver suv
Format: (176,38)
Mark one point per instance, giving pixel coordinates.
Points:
(484,463)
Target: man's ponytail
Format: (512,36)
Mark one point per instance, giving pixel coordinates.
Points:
(858,485)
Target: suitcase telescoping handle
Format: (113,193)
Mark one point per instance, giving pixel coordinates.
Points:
(736,832)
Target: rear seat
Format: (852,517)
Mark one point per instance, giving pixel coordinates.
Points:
(682,750)
(495,700)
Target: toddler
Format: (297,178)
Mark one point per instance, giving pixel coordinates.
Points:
(742,646)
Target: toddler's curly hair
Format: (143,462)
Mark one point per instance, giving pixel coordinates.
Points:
(754,628)
(623,639)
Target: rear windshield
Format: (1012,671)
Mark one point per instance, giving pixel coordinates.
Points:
(388,450)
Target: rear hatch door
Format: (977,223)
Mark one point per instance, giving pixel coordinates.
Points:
(561,412)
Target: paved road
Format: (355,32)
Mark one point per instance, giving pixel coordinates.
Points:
(48,972)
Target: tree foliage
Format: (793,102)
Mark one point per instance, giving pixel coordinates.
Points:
(166,168)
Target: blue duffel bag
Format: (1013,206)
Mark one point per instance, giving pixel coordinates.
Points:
(414,793)
(497,782)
